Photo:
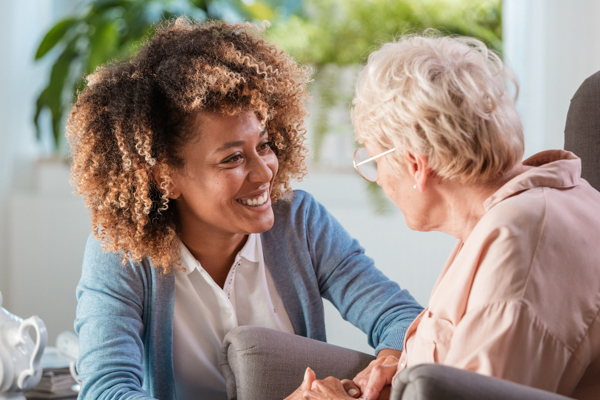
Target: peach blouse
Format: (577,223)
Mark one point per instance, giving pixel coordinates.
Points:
(520,298)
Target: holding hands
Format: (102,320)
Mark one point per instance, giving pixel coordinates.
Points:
(327,389)
(373,383)
(375,380)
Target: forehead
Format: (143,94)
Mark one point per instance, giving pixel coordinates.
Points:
(220,128)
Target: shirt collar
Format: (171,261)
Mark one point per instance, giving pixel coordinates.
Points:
(552,168)
(251,249)
(251,252)
(188,262)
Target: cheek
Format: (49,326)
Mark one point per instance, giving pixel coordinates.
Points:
(391,185)
(214,187)
(390,190)
(385,179)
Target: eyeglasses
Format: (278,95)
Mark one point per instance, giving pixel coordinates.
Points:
(363,164)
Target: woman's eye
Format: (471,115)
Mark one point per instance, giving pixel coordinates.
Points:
(233,159)
(266,146)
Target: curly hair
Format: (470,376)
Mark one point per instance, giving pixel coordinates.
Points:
(133,117)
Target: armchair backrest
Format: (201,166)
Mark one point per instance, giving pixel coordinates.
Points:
(582,130)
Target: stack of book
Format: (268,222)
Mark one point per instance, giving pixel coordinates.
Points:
(56,382)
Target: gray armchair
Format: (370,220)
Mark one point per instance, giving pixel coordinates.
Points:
(263,364)
(582,130)
(260,363)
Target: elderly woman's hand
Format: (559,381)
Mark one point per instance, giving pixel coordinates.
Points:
(375,380)
(328,388)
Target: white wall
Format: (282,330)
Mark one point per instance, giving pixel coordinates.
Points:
(553,46)
(48,231)
(22,26)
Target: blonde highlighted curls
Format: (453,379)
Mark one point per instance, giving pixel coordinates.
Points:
(135,115)
(442,97)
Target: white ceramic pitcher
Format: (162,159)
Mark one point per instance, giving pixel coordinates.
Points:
(20,357)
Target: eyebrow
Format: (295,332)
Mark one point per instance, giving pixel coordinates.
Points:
(237,143)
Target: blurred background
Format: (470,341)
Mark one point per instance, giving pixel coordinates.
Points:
(49,45)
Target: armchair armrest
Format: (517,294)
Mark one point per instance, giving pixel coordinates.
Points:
(262,364)
(440,382)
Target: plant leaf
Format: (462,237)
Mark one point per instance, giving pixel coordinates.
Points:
(57,126)
(103,45)
(100,6)
(58,76)
(260,11)
(39,106)
(51,97)
(54,35)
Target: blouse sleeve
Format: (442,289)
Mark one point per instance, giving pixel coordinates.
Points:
(110,326)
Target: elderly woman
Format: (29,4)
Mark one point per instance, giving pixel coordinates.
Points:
(519,297)
(185,155)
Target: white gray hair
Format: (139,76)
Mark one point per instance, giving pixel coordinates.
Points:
(444,98)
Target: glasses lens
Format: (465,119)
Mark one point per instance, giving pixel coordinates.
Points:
(369,169)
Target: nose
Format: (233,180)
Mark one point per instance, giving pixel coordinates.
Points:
(261,168)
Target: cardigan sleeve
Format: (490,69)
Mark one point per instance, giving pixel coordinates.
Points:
(348,278)
(110,325)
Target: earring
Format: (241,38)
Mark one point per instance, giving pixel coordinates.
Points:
(414,187)
(171,194)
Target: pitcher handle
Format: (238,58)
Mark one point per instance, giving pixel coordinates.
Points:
(40,345)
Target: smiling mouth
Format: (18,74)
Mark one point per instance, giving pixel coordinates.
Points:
(255,201)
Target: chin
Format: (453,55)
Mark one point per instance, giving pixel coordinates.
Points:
(262,228)
(413,225)
(261,225)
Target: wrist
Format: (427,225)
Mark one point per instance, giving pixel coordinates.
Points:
(389,352)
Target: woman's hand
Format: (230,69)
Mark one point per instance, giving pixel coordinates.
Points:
(374,380)
(329,388)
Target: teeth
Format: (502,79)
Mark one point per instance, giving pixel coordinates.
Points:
(258,201)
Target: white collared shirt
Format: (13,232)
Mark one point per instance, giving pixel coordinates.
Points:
(204,313)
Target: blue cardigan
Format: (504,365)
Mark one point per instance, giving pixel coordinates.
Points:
(125,312)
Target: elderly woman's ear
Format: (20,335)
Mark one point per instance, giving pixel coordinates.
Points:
(417,167)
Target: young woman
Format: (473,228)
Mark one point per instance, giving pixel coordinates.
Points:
(184,155)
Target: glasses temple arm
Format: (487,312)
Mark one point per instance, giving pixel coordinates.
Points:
(373,158)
